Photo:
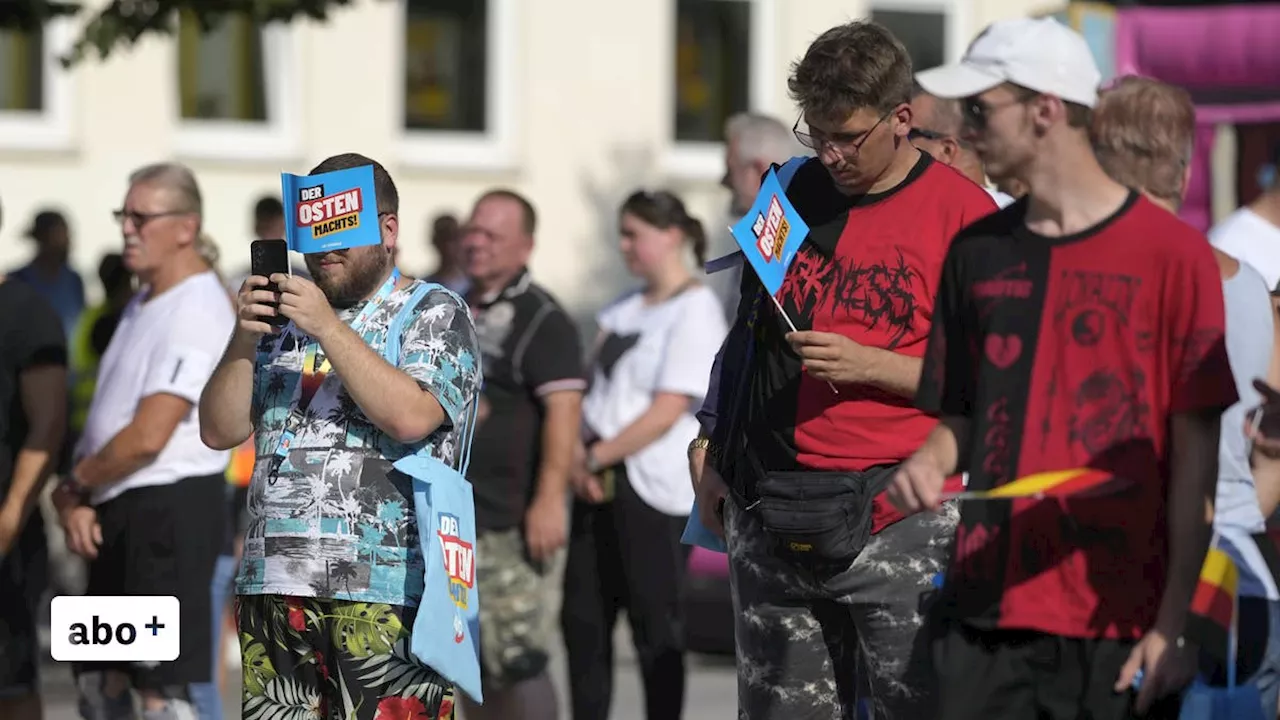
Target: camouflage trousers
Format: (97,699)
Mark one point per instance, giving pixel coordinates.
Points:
(513,617)
(835,644)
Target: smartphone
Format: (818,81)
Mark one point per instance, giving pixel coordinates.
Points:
(266,258)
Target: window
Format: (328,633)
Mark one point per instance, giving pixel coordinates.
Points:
(221,72)
(924,34)
(21,70)
(237,90)
(460,84)
(36,93)
(712,66)
(445,68)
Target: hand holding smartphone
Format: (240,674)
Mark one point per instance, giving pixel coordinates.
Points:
(266,258)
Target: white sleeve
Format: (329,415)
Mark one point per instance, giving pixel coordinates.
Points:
(183,364)
(692,344)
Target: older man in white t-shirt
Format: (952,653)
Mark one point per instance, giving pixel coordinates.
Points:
(145,501)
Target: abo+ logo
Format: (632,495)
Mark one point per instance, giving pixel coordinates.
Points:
(134,628)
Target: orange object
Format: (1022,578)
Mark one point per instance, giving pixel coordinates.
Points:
(240,470)
(1058,483)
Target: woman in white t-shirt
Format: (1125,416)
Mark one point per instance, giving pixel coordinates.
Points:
(649,372)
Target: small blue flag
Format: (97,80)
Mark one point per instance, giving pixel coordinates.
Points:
(333,211)
(697,534)
(770,233)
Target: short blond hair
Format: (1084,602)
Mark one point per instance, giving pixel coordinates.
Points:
(1143,133)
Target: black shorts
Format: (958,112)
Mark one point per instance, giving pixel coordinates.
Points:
(1024,675)
(23,580)
(164,540)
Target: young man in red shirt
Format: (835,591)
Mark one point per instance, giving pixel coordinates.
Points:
(1080,327)
(828,580)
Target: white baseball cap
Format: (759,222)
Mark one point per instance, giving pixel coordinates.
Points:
(1039,54)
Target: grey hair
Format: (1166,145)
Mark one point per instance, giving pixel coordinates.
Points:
(761,137)
(947,117)
(208,249)
(174,176)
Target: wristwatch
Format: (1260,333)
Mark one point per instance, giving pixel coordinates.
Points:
(703,443)
(72,486)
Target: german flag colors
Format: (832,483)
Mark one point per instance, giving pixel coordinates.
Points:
(1056,483)
(1214,603)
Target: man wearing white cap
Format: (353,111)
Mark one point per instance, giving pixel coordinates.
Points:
(1081,327)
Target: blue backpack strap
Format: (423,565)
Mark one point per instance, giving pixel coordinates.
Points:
(788,169)
(391,353)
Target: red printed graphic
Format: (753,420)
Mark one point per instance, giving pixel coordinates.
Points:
(996,461)
(459,565)
(976,551)
(1003,350)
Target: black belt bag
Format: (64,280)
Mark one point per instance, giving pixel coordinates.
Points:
(818,517)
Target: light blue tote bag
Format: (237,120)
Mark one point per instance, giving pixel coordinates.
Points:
(446,633)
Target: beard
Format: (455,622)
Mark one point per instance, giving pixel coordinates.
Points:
(354,278)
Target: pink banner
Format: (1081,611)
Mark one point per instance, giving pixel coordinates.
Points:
(1221,47)
(1232,47)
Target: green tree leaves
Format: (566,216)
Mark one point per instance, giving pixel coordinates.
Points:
(123,22)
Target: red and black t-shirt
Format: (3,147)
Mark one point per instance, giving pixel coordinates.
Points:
(1072,352)
(869,271)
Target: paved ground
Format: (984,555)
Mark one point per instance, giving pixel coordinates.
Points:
(712,690)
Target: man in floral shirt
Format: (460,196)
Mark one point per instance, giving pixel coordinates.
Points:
(332,572)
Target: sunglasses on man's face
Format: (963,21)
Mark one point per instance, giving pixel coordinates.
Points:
(976,112)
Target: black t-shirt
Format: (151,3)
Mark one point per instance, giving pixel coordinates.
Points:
(529,347)
(31,335)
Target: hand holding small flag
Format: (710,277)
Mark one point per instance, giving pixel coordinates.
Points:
(830,356)
(917,485)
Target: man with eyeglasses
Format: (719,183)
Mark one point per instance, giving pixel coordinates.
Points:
(937,124)
(1081,327)
(143,502)
(803,427)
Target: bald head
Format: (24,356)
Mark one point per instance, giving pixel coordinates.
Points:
(937,114)
(937,126)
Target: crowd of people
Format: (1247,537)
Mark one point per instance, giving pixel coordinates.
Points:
(994,283)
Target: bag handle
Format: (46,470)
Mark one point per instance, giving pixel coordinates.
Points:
(391,353)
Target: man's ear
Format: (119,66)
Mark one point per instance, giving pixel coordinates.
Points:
(389,224)
(950,151)
(903,114)
(192,227)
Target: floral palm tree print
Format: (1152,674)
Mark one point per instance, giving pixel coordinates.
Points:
(308,659)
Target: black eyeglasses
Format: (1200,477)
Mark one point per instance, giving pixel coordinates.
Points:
(847,144)
(922,134)
(140,219)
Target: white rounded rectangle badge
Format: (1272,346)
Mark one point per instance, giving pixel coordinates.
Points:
(128,628)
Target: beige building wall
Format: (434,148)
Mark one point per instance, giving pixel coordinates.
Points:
(580,113)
